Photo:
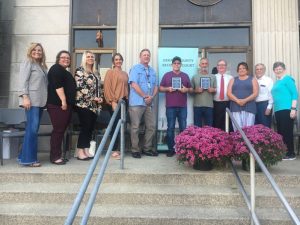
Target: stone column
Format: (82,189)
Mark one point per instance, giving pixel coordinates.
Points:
(138,28)
(276,34)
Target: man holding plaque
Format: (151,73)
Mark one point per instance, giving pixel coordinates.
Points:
(204,86)
(176,85)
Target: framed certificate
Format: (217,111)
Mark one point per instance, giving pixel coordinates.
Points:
(176,82)
(205,82)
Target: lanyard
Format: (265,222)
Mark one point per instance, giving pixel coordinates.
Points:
(148,80)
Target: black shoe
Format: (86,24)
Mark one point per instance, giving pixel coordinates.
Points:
(150,153)
(170,153)
(136,155)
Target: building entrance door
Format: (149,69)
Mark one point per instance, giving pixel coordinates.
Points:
(233,56)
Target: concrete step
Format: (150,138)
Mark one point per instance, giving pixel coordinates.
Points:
(118,193)
(214,177)
(36,214)
(151,170)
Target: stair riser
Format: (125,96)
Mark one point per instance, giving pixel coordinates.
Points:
(38,220)
(200,178)
(148,199)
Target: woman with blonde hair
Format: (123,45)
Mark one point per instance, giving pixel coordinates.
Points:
(87,102)
(33,98)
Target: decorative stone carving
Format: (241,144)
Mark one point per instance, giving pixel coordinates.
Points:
(204,2)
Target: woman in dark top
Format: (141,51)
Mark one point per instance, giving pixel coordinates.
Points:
(61,98)
(242,91)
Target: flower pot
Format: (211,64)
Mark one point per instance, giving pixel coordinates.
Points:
(246,166)
(203,165)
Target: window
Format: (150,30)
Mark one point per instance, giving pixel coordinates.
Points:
(203,37)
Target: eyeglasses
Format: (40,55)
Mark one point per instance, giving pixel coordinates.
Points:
(221,65)
(64,57)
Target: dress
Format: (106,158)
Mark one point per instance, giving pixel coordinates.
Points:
(33,79)
(87,90)
(244,115)
(284,92)
(59,77)
(176,106)
(203,102)
(145,78)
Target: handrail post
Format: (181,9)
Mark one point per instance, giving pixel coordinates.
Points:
(252,185)
(122,136)
(227,122)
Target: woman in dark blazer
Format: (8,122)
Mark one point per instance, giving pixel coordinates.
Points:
(61,98)
(33,76)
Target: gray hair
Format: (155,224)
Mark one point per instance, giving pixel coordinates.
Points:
(278,64)
(222,60)
(260,64)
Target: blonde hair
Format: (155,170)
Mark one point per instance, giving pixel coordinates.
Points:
(83,61)
(42,61)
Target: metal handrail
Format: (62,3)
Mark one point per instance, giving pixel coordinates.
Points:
(254,156)
(78,200)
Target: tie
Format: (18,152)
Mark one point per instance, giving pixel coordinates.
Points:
(222,88)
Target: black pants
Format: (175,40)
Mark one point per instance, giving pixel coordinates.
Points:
(111,112)
(285,126)
(219,115)
(87,120)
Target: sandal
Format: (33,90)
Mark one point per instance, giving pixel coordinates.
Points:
(59,162)
(36,164)
(116,155)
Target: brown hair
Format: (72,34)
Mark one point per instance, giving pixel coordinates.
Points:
(60,53)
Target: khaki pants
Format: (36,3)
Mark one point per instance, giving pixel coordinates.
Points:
(136,114)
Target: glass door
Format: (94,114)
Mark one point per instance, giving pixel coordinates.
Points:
(233,56)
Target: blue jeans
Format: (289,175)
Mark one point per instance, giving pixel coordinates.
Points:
(260,117)
(172,113)
(28,153)
(203,116)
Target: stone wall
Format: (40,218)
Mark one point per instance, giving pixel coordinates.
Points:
(46,22)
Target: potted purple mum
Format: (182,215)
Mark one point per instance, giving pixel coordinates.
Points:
(201,147)
(268,144)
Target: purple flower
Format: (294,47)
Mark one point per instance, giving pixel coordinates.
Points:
(203,143)
(267,143)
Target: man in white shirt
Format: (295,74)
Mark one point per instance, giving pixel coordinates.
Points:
(221,101)
(264,100)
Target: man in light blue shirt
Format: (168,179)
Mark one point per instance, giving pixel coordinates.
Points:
(143,88)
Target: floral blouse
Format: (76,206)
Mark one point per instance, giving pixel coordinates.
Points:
(87,89)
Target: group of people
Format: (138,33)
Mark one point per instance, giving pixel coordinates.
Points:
(62,93)
(251,100)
